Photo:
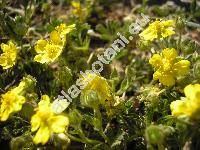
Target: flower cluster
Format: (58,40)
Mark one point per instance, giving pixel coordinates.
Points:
(49,50)
(168,67)
(13,100)
(8,58)
(45,122)
(102,109)
(158,29)
(189,105)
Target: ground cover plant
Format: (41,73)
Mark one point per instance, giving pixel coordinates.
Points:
(99,74)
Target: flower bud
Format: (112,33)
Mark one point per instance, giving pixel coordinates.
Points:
(156,134)
(75,118)
(90,99)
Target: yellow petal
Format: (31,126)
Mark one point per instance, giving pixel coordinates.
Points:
(53,51)
(167,67)
(11,102)
(55,37)
(182,67)
(178,107)
(167,80)
(157,75)
(45,102)
(190,92)
(167,32)
(59,123)
(148,34)
(168,23)
(76,4)
(156,61)
(5,114)
(168,28)
(42,135)
(63,30)
(4,47)
(3,60)
(169,54)
(40,58)
(40,46)
(9,56)
(190,105)
(17,106)
(35,122)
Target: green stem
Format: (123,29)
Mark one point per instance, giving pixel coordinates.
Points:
(85,140)
(179,41)
(97,114)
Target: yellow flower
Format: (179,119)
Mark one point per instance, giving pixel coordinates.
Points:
(8,58)
(60,32)
(49,53)
(77,9)
(63,29)
(13,100)
(49,50)
(190,105)
(167,67)
(158,29)
(46,122)
(99,85)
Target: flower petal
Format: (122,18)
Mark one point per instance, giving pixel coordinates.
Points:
(55,37)
(178,107)
(40,46)
(182,67)
(156,61)
(35,122)
(42,135)
(167,79)
(169,54)
(59,123)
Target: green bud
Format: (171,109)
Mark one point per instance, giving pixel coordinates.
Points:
(90,99)
(144,45)
(75,118)
(180,23)
(22,142)
(20,26)
(156,134)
